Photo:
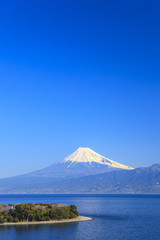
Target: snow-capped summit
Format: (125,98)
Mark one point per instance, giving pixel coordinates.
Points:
(86,155)
(82,162)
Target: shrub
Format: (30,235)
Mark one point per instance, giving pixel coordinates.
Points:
(15,220)
(9,219)
(2,220)
(73,209)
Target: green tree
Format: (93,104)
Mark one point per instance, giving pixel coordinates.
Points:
(73,209)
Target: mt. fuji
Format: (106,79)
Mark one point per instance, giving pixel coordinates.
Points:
(88,156)
(82,162)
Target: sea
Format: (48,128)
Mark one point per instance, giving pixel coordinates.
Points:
(115,217)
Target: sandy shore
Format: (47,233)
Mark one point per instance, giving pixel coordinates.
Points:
(77,219)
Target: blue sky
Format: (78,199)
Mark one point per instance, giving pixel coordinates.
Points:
(78,73)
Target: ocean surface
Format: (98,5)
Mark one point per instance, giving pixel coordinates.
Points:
(116,217)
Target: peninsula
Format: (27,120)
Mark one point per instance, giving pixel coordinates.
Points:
(39,213)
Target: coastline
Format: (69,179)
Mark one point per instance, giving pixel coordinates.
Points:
(77,219)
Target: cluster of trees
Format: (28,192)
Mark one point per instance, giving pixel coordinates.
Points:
(36,212)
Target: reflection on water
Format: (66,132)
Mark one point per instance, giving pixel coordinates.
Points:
(115,217)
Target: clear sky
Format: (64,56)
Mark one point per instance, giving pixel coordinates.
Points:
(79,74)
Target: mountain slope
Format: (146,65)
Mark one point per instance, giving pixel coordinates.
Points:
(140,180)
(82,162)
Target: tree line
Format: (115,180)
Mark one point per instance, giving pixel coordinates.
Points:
(36,212)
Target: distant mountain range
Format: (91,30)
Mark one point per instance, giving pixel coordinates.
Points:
(85,171)
(139,180)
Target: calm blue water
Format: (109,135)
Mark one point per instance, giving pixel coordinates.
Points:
(115,217)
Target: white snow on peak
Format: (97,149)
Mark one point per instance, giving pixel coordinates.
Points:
(86,155)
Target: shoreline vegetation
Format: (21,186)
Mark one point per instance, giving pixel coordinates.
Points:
(39,213)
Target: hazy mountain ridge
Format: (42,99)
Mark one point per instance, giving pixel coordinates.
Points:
(140,180)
